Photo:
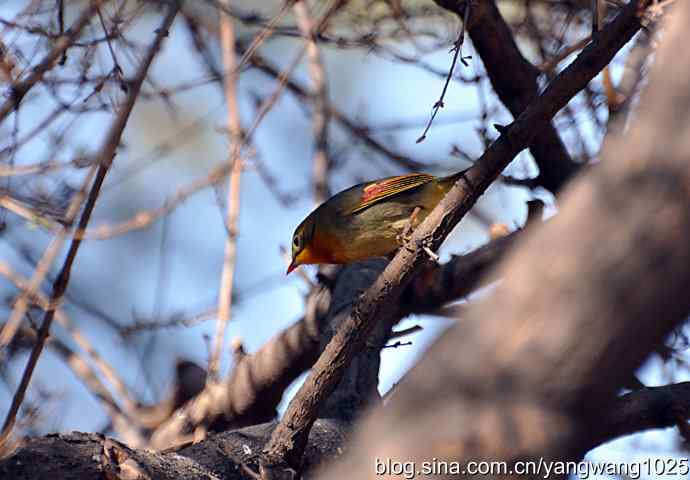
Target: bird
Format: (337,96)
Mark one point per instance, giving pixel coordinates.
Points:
(368,220)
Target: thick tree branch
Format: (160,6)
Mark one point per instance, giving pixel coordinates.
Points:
(230,454)
(376,305)
(227,456)
(440,284)
(645,409)
(527,377)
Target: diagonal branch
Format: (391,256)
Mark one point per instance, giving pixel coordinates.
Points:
(100,169)
(20,88)
(283,453)
(534,377)
(515,81)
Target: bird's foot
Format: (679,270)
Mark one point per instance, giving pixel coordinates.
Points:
(432,255)
(405,236)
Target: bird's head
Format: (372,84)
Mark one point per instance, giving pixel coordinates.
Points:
(303,245)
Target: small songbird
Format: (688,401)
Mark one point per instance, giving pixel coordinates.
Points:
(367,220)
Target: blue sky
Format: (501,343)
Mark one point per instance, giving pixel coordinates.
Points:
(175,264)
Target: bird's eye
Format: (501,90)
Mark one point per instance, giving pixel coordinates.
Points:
(295,241)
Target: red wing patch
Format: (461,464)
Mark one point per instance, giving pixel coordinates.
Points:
(388,187)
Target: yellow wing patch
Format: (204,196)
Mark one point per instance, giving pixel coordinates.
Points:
(377,191)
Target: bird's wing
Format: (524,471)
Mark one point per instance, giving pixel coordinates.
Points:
(382,189)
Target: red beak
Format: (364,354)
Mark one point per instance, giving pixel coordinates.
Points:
(292,266)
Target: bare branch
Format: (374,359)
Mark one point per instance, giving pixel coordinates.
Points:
(288,440)
(19,88)
(99,170)
(515,80)
(319,95)
(227,40)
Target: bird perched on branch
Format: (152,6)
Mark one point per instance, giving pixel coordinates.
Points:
(368,220)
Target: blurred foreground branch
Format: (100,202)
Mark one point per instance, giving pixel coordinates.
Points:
(284,451)
(528,376)
(231,455)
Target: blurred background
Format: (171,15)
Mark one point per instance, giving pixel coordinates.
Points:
(144,288)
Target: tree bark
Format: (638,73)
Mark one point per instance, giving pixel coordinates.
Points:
(377,304)
(584,300)
(227,455)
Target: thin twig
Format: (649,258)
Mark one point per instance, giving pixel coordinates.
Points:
(19,88)
(227,40)
(319,95)
(61,26)
(552,63)
(117,69)
(104,160)
(404,332)
(261,37)
(457,49)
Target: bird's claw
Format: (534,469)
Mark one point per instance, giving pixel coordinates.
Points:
(405,236)
(432,255)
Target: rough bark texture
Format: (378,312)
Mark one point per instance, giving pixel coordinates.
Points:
(251,393)
(584,300)
(377,304)
(533,372)
(226,455)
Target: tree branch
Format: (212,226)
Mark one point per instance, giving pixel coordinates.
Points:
(283,453)
(227,39)
(440,284)
(100,168)
(227,456)
(528,376)
(222,456)
(644,409)
(319,95)
(515,81)
(20,88)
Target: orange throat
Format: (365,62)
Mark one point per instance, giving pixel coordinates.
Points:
(323,249)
